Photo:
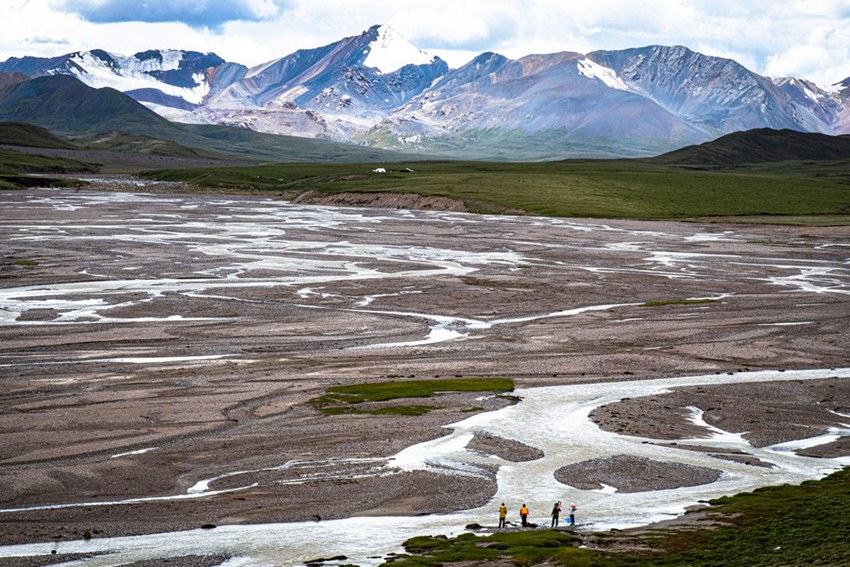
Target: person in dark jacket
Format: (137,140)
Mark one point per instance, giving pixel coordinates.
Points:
(556,512)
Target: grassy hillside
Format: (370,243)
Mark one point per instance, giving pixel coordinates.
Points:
(19,162)
(22,134)
(16,167)
(581,188)
(761,146)
(115,141)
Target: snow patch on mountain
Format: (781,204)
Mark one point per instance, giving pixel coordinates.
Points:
(609,77)
(391,51)
(125,73)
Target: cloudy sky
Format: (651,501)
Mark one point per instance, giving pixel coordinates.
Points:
(772,37)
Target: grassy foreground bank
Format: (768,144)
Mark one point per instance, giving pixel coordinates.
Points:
(575,188)
(787,525)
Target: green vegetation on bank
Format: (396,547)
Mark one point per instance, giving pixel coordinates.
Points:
(341,399)
(783,525)
(576,188)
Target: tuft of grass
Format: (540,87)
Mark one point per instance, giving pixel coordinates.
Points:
(663,302)
(339,399)
(26,263)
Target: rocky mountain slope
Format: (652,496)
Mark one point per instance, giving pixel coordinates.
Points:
(378,89)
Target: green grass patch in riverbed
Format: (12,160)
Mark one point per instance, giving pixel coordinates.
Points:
(663,302)
(782,525)
(340,399)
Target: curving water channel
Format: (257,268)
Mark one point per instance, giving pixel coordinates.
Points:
(554,419)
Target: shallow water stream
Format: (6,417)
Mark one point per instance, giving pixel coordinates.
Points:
(554,419)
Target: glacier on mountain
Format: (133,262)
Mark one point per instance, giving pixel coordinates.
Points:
(128,73)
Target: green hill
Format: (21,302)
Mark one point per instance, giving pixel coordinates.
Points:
(21,134)
(16,167)
(115,141)
(762,145)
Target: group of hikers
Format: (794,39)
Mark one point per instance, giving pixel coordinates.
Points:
(523,515)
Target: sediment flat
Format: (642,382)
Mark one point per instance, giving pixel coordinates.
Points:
(152,342)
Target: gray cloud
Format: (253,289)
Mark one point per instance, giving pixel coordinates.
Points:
(210,14)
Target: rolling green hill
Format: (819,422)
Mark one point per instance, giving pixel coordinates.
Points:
(115,141)
(760,146)
(22,134)
(16,167)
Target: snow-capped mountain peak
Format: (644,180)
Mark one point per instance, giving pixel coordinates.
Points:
(390,51)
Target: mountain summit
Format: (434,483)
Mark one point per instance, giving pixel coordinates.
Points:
(355,79)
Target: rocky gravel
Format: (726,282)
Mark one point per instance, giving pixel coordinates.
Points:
(627,473)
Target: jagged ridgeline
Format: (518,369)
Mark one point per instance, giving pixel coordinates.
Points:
(380,90)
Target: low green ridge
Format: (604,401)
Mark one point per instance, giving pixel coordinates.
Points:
(20,162)
(22,134)
(15,168)
(761,145)
(781,525)
(340,399)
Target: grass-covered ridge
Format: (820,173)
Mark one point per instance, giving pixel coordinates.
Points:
(576,188)
(783,525)
(344,399)
(22,134)
(16,167)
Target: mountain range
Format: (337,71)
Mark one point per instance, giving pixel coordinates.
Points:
(377,89)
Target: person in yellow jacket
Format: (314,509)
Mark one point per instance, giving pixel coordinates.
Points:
(503,513)
(523,514)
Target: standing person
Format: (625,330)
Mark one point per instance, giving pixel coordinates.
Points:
(503,513)
(556,511)
(523,515)
(572,514)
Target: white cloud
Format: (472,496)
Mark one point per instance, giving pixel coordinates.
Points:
(780,37)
